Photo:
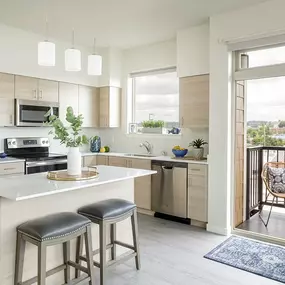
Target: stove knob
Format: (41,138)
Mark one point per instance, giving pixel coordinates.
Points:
(43,142)
(46,142)
(13,142)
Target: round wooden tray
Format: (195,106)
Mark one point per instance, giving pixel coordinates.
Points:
(89,174)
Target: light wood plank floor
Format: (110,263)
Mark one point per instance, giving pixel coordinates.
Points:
(172,253)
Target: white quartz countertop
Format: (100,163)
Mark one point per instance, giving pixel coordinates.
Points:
(10,159)
(161,158)
(24,187)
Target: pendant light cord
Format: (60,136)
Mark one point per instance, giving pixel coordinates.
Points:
(94,52)
(73,38)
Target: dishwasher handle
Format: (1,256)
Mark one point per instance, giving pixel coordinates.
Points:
(167,167)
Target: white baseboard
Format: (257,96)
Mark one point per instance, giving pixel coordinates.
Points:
(218,230)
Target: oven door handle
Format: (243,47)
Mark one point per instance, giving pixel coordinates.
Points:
(44,163)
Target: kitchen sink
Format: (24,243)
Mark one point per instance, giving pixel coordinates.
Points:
(139,155)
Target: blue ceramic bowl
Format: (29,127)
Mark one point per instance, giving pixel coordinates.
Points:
(179,153)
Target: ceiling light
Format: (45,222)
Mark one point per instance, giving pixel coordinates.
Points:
(46,51)
(72,57)
(94,63)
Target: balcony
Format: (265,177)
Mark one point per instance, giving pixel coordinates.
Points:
(256,193)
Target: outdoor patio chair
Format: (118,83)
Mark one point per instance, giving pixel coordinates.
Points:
(273,176)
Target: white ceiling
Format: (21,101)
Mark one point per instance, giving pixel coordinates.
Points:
(119,23)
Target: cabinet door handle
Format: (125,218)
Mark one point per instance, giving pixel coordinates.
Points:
(195,169)
(41,94)
(9,168)
(182,121)
(35,94)
(11,119)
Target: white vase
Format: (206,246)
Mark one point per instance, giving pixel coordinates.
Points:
(198,153)
(74,161)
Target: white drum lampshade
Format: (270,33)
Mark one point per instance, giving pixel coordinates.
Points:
(94,64)
(46,53)
(72,59)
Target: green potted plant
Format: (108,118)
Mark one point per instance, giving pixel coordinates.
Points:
(153,127)
(198,150)
(70,136)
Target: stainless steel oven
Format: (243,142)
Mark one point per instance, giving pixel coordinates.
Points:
(45,166)
(31,113)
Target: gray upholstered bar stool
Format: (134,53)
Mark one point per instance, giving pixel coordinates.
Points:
(51,230)
(110,212)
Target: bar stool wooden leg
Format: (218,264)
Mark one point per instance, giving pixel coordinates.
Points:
(41,264)
(66,259)
(89,255)
(102,237)
(134,221)
(113,238)
(19,262)
(79,249)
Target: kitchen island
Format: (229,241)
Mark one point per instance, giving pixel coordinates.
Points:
(31,196)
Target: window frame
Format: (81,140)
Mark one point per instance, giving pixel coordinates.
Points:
(132,105)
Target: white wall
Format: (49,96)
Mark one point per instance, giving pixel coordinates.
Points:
(193,51)
(18,55)
(156,56)
(261,20)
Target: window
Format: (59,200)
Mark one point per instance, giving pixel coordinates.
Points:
(155,102)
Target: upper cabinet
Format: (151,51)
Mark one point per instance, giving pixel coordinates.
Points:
(88,106)
(68,96)
(30,88)
(6,99)
(110,106)
(48,90)
(193,51)
(194,101)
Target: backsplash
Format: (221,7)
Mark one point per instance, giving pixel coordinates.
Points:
(119,142)
(9,132)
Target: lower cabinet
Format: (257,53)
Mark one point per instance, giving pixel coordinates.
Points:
(142,184)
(89,160)
(102,160)
(11,168)
(118,161)
(198,192)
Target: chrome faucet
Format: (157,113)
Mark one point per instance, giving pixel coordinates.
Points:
(147,146)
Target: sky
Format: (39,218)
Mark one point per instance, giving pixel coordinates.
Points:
(157,97)
(266,97)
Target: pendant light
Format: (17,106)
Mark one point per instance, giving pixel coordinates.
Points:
(72,57)
(46,51)
(94,63)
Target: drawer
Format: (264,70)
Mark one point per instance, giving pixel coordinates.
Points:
(12,168)
(197,169)
(117,161)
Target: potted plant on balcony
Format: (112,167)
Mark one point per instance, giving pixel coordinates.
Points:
(71,137)
(152,127)
(198,150)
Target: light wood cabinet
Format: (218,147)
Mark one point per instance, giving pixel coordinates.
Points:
(90,160)
(12,168)
(110,107)
(102,160)
(68,96)
(48,90)
(198,192)
(118,161)
(88,106)
(142,184)
(26,88)
(194,101)
(7,99)
(30,88)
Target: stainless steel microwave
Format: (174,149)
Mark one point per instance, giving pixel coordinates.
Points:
(31,113)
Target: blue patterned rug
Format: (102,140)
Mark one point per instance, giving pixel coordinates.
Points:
(253,256)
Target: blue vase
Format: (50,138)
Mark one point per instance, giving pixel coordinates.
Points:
(95,145)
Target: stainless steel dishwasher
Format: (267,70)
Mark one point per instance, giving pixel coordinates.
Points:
(169,189)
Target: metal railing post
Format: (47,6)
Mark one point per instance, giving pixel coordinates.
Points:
(260,182)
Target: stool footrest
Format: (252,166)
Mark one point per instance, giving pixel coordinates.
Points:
(78,266)
(124,244)
(122,258)
(82,280)
(49,273)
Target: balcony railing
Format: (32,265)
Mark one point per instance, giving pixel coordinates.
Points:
(256,191)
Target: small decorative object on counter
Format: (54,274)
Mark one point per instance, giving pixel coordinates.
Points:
(174,131)
(179,151)
(71,137)
(198,150)
(3,155)
(95,144)
(89,174)
(105,149)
